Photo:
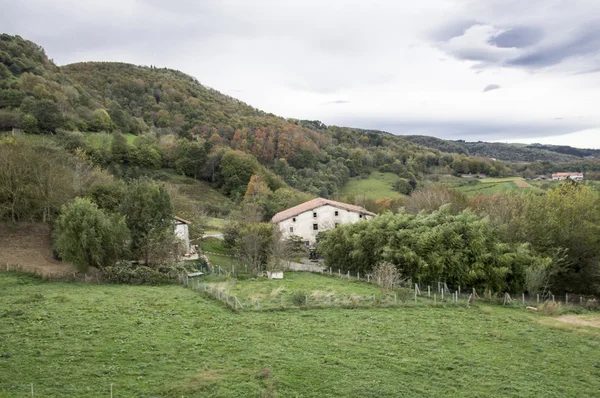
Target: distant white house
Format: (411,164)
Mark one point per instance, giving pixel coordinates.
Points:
(567,175)
(182,231)
(308,219)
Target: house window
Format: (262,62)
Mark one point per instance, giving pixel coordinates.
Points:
(360,216)
(337,213)
(291,229)
(294,219)
(315,227)
(314,214)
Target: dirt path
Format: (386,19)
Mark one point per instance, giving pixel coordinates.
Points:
(523,184)
(594,322)
(29,246)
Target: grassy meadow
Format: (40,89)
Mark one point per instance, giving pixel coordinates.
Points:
(491,186)
(75,340)
(377,186)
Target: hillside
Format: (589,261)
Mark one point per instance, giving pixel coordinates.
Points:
(506,152)
(39,97)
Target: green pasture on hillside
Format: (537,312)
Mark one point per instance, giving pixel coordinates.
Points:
(76,340)
(377,186)
(96,139)
(491,186)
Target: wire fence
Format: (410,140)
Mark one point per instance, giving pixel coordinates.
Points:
(108,390)
(406,293)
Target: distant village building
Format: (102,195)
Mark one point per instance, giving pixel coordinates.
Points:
(182,231)
(567,175)
(308,219)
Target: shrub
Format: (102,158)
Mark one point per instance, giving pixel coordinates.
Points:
(298,298)
(551,308)
(386,275)
(142,275)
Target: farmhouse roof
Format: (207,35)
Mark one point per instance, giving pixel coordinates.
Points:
(566,174)
(313,204)
(182,220)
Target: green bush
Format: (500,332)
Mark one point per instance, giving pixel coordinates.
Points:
(298,298)
(142,275)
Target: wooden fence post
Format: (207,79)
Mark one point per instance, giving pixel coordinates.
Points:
(523,298)
(434,298)
(428,291)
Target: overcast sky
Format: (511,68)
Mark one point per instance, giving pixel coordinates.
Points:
(494,70)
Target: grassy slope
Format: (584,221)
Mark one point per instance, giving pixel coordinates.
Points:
(377,186)
(196,190)
(491,186)
(77,339)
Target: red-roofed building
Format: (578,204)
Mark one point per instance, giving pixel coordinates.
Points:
(309,218)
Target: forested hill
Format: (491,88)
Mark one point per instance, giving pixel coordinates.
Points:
(181,124)
(506,152)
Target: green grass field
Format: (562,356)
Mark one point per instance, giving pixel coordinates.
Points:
(491,186)
(96,139)
(261,293)
(377,186)
(503,179)
(75,340)
(216,224)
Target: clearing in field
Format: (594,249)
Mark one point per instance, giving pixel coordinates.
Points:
(377,186)
(522,184)
(76,340)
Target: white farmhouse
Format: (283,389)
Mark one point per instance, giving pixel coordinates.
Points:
(182,231)
(567,175)
(308,219)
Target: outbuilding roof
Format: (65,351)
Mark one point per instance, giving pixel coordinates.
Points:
(182,220)
(313,204)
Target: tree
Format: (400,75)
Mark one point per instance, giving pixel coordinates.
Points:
(148,211)
(119,148)
(87,236)
(101,121)
(145,151)
(29,124)
(191,158)
(254,245)
(237,168)
(48,115)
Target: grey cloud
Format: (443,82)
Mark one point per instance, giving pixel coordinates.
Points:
(491,87)
(552,36)
(583,42)
(520,36)
(452,29)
